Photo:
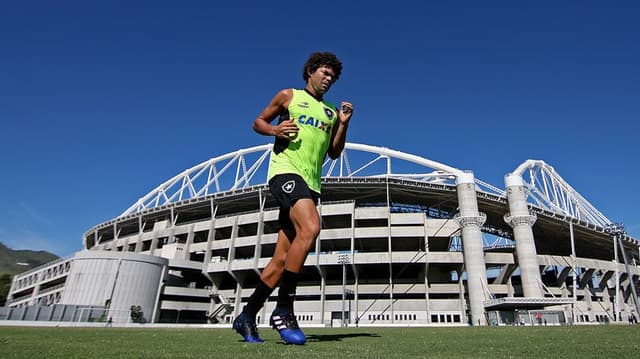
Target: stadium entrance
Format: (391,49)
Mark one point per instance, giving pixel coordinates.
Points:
(527,311)
(338,317)
(526,317)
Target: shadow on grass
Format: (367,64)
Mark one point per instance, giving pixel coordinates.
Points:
(338,337)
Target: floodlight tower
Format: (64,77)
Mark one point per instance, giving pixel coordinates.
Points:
(343,259)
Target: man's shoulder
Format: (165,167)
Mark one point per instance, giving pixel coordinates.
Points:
(284,96)
(287,91)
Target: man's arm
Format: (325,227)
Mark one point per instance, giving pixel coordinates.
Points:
(278,104)
(339,133)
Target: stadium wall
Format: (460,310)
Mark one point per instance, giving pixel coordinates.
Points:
(392,251)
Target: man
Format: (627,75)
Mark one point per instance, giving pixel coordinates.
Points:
(308,129)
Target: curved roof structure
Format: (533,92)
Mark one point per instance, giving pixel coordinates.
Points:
(550,191)
(245,168)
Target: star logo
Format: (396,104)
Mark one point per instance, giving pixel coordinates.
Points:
(289,186)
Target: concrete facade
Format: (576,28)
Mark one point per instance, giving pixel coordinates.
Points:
(116,281)
(419,253)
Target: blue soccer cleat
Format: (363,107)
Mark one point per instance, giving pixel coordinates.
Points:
(285,323)
(246,326)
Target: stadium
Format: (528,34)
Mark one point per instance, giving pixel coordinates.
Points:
(404,241)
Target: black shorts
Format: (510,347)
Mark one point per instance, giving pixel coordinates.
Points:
(287,189)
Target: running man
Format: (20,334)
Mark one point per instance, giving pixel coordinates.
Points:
(308,129)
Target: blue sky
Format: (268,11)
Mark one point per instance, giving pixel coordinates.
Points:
(101,101)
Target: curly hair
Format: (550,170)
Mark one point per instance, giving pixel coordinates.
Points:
(318,59)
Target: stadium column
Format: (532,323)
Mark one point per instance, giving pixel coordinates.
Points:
(187,245)
(426,270)
(522,222)
(230,270)
(470,221)
(211,237)
(139,235)
(319,267)
(257,250)
(323,292)
(36,288)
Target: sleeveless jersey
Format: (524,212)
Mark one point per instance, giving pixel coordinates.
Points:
(304,154)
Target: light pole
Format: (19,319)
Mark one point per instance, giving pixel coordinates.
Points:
(349,294)
(344,260)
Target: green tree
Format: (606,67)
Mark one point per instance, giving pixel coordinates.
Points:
(5,285)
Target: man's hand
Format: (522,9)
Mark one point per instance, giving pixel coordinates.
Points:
(345,113)
(286,129)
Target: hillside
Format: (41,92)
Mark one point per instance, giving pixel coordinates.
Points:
(18,261)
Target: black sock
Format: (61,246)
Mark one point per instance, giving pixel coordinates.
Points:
(287,292)
(257,299)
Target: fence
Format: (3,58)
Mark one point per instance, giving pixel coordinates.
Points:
(67,313)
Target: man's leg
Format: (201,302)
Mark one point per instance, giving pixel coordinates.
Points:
(245,323)
(306,222)
(273,271)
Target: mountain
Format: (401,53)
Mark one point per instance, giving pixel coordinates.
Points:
(14,262)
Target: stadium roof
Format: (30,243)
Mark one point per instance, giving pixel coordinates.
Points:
(245,168)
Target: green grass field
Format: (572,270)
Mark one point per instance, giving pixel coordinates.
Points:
(465,342)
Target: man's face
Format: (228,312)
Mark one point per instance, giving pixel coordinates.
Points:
(322,79)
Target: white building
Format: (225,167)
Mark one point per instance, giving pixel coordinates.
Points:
(419,242)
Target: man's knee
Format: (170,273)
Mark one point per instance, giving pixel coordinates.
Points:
(309,232)
(306,220)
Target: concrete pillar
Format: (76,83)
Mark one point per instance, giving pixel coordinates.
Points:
(323,298)
(139,237)
(186,250)
(522,221)
(470,221)
(237,307)
(426,272)
(36,288)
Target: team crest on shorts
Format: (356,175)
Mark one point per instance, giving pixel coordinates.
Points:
(289,186)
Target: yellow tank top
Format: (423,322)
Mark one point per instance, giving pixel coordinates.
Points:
(304,154)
